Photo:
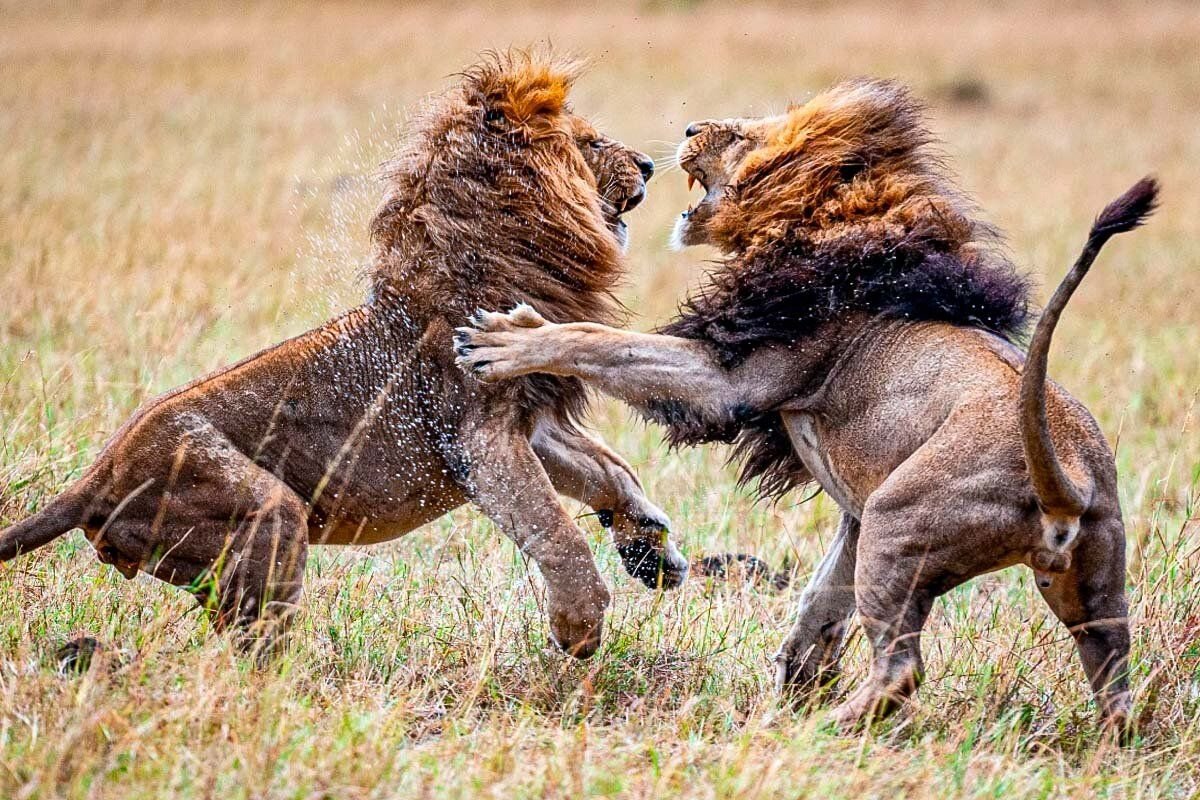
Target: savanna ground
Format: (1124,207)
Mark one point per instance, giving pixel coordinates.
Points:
(180,187)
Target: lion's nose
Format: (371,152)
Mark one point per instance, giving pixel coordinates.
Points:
(645,165)
(692,129)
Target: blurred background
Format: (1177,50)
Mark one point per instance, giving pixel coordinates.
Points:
(183,184)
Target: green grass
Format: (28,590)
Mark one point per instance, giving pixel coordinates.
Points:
(179,188)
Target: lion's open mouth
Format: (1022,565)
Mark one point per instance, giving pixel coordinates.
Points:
(690,224)
(692,180)
(694,176)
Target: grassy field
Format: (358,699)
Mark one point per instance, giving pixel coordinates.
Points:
(179,188)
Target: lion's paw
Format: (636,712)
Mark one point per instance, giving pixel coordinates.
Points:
(522,315)
(577,622)
(491,347)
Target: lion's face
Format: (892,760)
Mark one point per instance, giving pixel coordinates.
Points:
(711,155)
(525,111)
(859,151)
(621,174)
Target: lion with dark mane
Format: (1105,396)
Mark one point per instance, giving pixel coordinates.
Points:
(859,333)
(363,429)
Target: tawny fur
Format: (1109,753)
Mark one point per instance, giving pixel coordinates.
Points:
(856,334)
(363,429)
(843,205)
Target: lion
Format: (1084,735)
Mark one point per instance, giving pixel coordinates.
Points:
(363,429)
(859,332)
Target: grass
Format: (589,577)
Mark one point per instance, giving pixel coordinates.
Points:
(182,186)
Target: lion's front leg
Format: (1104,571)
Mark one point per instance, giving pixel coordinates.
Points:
(584,468)
(809,656)
(504,478)
(642,369)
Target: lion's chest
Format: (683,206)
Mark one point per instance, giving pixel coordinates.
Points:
(805,433)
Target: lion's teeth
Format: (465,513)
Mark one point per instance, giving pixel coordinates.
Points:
(691,182)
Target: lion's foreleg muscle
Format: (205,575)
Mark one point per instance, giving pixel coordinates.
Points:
(642,369)
(507,482)
(639,368)
(584,468)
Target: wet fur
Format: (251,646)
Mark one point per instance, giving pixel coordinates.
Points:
(541,236)
(363,429)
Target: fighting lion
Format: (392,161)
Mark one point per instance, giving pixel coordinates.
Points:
(859,333)
(363,429)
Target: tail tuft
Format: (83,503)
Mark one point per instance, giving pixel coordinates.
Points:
(1129,210)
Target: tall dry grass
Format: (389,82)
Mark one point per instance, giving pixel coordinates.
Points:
(180,186)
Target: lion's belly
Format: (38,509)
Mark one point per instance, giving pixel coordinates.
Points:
(805,433)
(383,525)
(381,502)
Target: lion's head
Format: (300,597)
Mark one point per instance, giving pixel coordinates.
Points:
(620,171)
(857,154)
(501,194)
(839,205)
(836,211)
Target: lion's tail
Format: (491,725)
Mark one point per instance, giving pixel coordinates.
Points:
(63,514)
(1061,501)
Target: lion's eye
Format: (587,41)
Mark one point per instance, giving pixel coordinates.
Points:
(595,144)
(493,115)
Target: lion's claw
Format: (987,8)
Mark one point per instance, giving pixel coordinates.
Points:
(489,347)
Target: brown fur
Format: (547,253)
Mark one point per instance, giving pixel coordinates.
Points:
(947,458)
(544,235)
(843,205)
(362,429)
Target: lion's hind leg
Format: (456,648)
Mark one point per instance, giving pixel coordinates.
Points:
(1089,599)
(808,658)
(260,581)
(239,542)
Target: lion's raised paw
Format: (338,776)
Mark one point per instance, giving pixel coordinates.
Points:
(522,315)
(484,348)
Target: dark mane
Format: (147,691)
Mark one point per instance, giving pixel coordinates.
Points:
(782,293)
(808,242)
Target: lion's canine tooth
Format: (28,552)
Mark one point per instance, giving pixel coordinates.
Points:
(691,182)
